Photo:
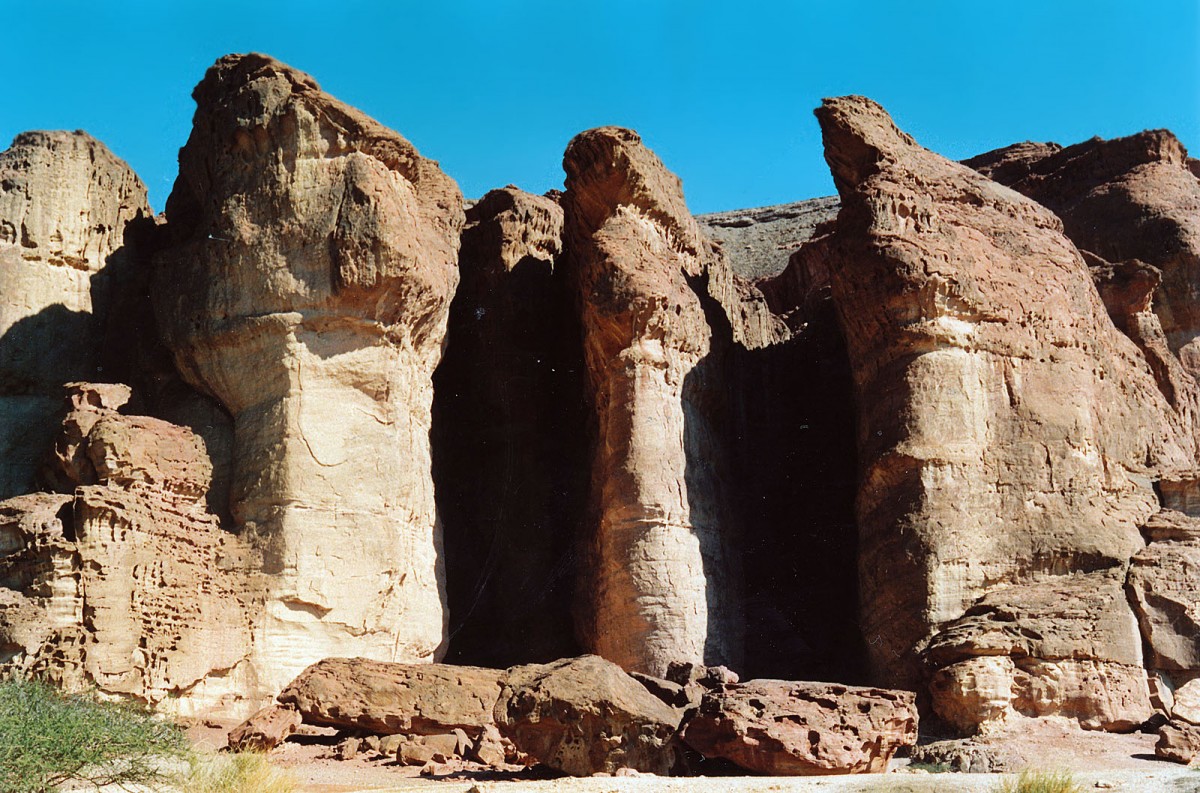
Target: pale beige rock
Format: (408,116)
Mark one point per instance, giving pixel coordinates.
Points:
(1186,705)
(305,284)
(389,698)
(786,728)
(662,579)
(65,205)
(133,588)
(1008,432)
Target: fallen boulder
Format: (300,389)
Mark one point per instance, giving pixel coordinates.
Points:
(265,730)
(786,728)
(584,716)
(390,698)
(1179,742)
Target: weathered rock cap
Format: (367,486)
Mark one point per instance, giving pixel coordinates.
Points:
(859,135)
(390,698)
(584,716)
(786,728)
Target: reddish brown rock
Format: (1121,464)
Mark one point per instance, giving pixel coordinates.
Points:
(305,282)
(1179,742)
(388,698)
(510,430)
(584,716)
(1162,589)
(660,310)
(784,728)
(1122,199)
(265,729)
(1008,432)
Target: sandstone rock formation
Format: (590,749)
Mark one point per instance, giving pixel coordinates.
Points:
(127,585)
(389,698)
(585,715)
(660,310)
(1008,433)
(65,204)
(510,437)
(1131,198)
(783,728)
(1178,741)
(265,729)
(305,284)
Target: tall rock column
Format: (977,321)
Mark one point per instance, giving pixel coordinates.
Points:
(306,285)
(1009,436)
(662,581)
(65,203)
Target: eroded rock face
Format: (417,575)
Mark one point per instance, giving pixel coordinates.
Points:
(128,585)
(584,716)
(1162,588)
(660,311)
(388,698)
(65,205)
(510,437)
(1122,199)
(784,728)
(1008,432)
(306,285)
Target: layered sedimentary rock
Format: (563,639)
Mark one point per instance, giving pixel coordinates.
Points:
(305,284)
(128,584)
(1009,434)
(660,310)
(784,728)
(65,204)
(510,437)
(1162,587)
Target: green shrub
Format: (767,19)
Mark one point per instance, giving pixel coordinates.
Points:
(1041,782)
(48,738)
(248,772)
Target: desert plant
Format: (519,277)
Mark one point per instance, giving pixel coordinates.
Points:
(246,772)
(48,738)
(1031,781)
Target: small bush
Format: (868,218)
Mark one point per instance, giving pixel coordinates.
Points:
(248,772)
(48,738)
(1041,782)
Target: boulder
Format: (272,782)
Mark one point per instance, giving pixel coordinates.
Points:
(265,729)
(584,716)
(1009,434)
(660,309)
(65,205)
(1186,704)
(1179,742)
(304,281)
(389,698)
(785,728)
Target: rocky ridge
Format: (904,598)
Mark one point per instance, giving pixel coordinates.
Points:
(959,420)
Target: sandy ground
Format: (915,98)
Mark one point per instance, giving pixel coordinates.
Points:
(1099,761)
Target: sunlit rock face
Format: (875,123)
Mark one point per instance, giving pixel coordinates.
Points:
(65,205)
(306,285)
(1009,434)
(660,311)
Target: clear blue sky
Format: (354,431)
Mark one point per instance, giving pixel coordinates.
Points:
(723,91)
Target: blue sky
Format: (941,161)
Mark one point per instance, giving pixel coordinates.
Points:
(723,91)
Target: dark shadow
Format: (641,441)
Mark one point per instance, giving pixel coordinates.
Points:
(510,461)
(791,439)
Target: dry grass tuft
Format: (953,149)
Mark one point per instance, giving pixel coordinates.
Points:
(245,772)
(1041,782)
